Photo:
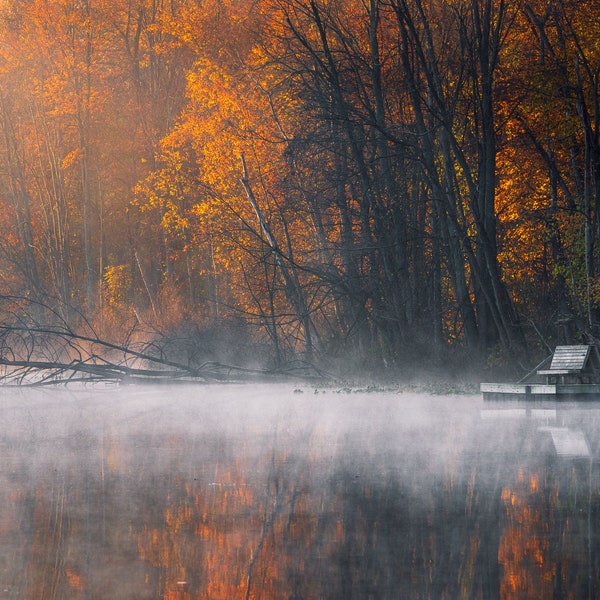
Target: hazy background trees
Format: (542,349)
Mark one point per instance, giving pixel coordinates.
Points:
(378,181)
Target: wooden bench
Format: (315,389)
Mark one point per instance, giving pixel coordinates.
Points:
(570,364)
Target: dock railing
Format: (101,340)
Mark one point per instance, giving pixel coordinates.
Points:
(535,369)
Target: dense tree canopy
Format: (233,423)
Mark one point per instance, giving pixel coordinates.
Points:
(366,180)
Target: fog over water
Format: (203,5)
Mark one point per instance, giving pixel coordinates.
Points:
(277,492)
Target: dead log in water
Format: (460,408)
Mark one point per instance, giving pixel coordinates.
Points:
(58,355)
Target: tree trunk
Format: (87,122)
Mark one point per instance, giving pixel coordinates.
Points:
(293,288)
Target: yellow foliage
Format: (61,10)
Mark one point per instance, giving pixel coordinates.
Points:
(117,283)
(72,158)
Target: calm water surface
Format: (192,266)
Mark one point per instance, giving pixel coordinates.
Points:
(234,491)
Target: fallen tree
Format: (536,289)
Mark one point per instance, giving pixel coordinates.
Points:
(32,353)
(20,347)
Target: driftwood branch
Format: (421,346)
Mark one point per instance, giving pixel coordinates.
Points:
(39,347)
(47,355)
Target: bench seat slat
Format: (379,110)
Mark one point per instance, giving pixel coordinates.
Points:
(559,372)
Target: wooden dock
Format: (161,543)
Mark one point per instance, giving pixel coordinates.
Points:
(540,391)
(574,374)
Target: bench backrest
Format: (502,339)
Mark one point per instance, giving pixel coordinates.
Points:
(571,358)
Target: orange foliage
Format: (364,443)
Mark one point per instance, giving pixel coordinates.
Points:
(123,125)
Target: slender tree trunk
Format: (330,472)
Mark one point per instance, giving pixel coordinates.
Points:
(83,85)
(391,232)
(21,198)
(293,288)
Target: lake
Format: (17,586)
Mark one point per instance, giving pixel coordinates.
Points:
(276,492)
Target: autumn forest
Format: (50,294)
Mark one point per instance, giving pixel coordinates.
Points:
(367,182)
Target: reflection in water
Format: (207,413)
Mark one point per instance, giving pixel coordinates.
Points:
(244,492)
